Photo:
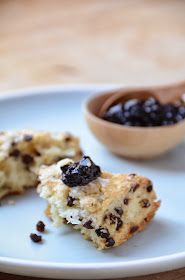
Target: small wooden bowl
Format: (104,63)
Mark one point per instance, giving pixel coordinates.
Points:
(132,142)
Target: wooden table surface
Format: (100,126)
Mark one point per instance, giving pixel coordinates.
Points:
(175,275)
(78,41)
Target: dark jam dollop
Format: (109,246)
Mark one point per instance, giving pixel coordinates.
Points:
(80,173)
(145,113)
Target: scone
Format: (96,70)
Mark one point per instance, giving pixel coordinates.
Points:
(23,152)
(107,208)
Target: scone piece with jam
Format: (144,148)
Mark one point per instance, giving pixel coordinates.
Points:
(23,152)
(107,208)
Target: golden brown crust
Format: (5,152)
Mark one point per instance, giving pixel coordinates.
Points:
(9,192)
(48,212)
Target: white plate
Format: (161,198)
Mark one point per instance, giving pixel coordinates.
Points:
(65,254)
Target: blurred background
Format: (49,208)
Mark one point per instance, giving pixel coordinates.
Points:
(90,41)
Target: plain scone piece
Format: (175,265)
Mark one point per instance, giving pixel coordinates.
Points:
(23,152)
(108,211)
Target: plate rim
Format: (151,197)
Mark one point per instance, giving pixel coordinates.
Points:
(161,263)
(57,88)
(119,264)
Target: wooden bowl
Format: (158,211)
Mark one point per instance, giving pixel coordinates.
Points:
(131,142)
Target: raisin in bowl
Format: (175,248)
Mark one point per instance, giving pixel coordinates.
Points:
(133,140)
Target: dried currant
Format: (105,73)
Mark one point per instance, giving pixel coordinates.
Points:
(80,173)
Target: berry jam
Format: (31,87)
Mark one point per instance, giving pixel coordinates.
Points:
(145,113)
(80,173)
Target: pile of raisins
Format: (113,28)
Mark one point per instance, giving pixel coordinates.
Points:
(80,173)
(145,113)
